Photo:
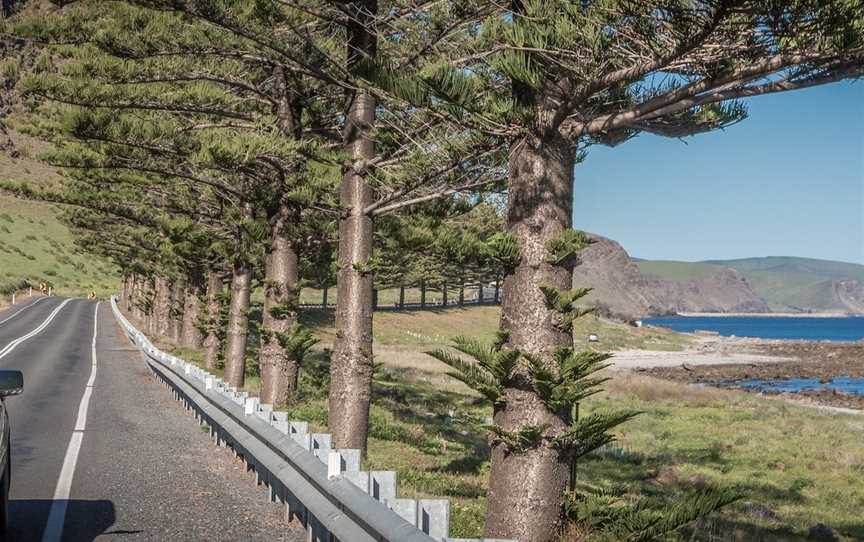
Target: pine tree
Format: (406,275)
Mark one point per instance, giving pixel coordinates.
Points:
(550,79)
(252,77)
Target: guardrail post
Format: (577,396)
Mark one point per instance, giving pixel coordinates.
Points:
(334,464)
(321,445)
(382,485)
(434,517)
(251,405)
(296,427)
(279,420)
(405,508)
(264,411)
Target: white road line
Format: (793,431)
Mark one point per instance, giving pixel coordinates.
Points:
(57,514)
(21,310)
(12,345)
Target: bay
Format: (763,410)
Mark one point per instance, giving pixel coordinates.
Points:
(841,329)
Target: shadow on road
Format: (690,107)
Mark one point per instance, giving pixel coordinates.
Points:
(85,520)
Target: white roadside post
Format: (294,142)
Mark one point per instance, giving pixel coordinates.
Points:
(13,298)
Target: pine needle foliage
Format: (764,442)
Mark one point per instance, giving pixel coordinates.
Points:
(491,373)
(298,342)
(517,442)
(610,517)
(565,247)
(504,251)
(565,304)
(570,381)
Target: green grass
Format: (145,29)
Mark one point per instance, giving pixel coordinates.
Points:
(804,465)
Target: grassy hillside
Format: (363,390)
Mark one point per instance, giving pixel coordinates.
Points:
(677,271)
(34,245)
(796,266)
(786,283)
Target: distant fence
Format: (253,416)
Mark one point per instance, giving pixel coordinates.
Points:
(431,298)
(17,296)
(324,489)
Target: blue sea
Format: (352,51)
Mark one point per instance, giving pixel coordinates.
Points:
(769,327)
(843,384)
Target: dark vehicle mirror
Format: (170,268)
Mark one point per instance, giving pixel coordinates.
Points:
(11,383)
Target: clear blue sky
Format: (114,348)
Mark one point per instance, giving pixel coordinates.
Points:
(788,181)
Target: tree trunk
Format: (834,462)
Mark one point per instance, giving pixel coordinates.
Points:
(238,324)
(148,299)
(401,297)
(444,295)
(129,295)
(422,294)
(497,296)
(351,364)
(279,368)
(480,293)
(124,292)
(190,335)
(462,294)
(214,315)
(324,298)
(161,318)
(526,489)
(175,315)
(138,296)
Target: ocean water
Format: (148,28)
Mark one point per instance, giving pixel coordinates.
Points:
(852,386)
(769,327)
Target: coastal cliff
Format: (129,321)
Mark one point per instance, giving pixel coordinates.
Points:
(621,290)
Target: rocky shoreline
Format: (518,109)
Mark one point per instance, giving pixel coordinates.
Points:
(777,360)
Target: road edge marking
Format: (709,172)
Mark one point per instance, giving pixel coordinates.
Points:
(22,309)
(37,330)
(57,514)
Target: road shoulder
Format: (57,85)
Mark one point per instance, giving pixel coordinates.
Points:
(152,470)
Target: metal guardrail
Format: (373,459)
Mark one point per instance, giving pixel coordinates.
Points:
(324,489)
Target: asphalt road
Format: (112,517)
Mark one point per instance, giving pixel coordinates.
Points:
(122,461)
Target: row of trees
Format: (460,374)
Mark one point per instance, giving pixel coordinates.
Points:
(211,137)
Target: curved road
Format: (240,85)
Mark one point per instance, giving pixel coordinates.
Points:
(124,463)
